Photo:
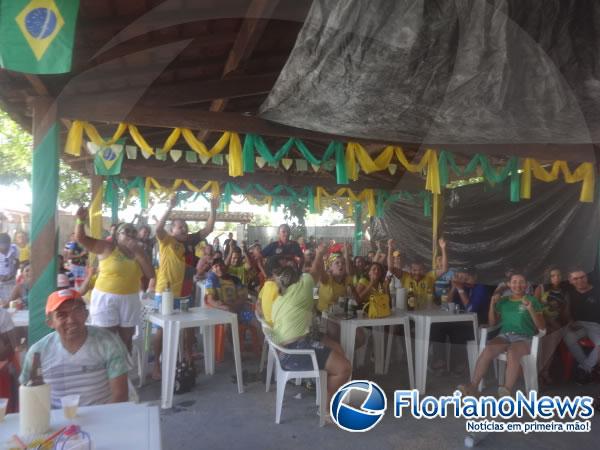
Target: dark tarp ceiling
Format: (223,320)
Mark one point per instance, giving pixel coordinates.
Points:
(456,72)
(485,230)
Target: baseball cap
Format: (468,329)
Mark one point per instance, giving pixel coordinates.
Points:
(57,298)
(62,281)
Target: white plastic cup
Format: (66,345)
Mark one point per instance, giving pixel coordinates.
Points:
(70,403)
(3,405)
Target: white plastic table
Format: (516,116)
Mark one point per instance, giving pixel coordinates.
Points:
(205,318)
(116,425)
(348,329)
(423,320)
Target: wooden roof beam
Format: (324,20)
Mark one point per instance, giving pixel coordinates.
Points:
(250,32)
(182,93)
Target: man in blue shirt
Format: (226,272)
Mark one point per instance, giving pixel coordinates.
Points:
(469,296)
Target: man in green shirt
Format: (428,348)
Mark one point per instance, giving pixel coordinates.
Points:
(292,317)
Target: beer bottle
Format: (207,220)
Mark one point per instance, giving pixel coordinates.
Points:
(411,299)
(36,378)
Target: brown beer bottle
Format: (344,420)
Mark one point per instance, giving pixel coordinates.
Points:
(36,378)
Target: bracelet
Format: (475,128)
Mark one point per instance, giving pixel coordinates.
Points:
(78,221)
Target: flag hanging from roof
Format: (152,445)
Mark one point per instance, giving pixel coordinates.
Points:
(108,160)
(36,36)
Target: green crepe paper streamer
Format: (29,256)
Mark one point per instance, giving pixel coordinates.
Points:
(426,203)
(340,163)
(311,200)
(248,154)
(307,154)
(254,142)
(263,150)
(491,176)
(227,193)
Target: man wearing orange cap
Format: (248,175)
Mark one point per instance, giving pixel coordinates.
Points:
(79,359)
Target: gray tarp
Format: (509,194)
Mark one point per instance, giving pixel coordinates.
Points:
(485,230)
(446,72)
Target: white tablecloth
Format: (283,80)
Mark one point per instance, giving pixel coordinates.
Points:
(117,425)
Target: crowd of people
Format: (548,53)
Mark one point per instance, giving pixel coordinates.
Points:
(287,283)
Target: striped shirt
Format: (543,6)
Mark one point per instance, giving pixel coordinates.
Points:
(86,372)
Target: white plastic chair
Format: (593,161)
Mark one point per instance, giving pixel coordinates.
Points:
(140,343)
(265,349)
(282,376)
(528,362)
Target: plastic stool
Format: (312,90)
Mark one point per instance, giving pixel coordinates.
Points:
(219,343)
(256,344)
(567,359)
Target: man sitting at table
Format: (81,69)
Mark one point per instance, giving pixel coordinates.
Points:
(417,280)
(76,358)
(292,320)
(584,321)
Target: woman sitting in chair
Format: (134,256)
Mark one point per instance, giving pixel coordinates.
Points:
(520,317)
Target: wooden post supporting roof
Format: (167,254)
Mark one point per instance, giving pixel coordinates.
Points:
(44,236)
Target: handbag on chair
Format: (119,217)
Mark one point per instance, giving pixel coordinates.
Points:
(378,306)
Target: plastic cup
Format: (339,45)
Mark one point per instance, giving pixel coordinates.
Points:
(3,405)
(70,403)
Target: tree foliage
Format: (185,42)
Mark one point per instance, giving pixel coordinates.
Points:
(16,146)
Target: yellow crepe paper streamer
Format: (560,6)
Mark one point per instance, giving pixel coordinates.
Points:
(153,185)
(357,153)
(583,173)
(367,196)
(78,127)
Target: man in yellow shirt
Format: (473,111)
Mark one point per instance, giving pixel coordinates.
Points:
(177,265)
(417,279)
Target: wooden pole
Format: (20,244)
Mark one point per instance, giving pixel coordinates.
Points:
(44,236)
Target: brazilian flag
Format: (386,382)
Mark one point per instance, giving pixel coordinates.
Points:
(108,160)
(36,36)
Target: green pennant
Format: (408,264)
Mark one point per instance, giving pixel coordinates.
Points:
(191,157)
(108,160)
(37,35)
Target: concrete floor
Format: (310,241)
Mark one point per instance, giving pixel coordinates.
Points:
(215,416)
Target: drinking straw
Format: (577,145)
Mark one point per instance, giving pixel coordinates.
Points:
(19,442)
(52,436)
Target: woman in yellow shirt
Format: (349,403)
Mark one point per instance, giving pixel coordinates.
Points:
(115,302)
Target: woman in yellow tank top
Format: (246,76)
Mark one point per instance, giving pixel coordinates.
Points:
(115,302)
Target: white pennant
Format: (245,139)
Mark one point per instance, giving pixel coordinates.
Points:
(144,154)
(92,148)
(176,155)
(392,168)
(227,157)
(287,163)
(204,159)
(131,151)
(315,167)
(260,161)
